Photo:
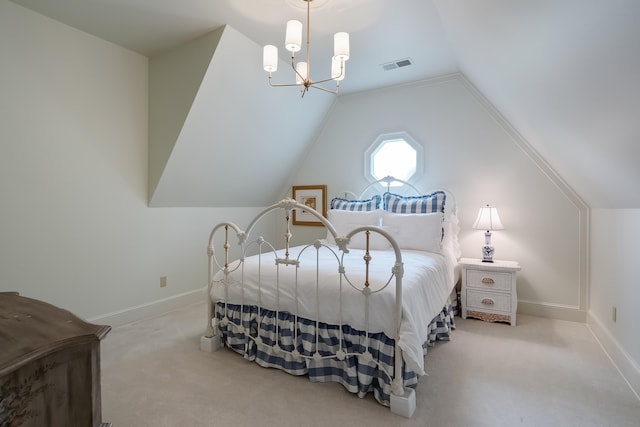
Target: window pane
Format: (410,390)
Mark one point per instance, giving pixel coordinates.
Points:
(396,158)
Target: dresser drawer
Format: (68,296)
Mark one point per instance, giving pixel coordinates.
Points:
(488,300)
(489,280)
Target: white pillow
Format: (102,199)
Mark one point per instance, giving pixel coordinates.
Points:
(345,221)
(422,232)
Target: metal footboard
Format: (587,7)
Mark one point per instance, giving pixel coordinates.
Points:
(402,399)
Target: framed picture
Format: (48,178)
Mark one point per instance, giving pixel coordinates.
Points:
(314,196)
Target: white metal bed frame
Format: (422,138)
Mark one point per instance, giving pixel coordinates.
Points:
(388,180)
(402,399)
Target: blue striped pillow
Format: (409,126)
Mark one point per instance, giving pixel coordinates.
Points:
(429,203)
(356,205)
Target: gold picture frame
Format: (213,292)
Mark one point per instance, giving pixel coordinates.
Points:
(314,196)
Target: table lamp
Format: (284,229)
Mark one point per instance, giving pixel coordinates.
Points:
(488,220)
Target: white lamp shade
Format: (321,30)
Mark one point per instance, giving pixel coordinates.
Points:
(341,46)
(293,36)
(488,219)
(270,58)
(302,72)
(337,69)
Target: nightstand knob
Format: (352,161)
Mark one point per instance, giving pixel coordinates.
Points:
(488,281)
(487,301)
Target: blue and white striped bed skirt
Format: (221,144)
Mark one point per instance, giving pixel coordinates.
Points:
(355,374)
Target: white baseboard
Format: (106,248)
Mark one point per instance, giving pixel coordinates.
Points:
(150,309)
(627,367)
(559,312)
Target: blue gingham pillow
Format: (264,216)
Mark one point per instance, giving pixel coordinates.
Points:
(429,203)
(356,205)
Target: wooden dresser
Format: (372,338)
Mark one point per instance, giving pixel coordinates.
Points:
(49,366)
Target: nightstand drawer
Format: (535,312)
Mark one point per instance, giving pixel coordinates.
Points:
(488,300)
(489,280)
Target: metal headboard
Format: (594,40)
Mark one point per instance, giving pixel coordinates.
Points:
(386,180)
(450,206)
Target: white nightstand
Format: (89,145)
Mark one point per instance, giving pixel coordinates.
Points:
(489,290)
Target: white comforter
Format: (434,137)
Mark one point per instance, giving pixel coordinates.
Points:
(427,282)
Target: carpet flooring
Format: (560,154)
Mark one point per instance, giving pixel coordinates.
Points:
(542,372)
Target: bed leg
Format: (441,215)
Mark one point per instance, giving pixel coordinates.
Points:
(210,344)
(404,404)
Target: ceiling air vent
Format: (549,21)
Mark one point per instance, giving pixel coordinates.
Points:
(397,64)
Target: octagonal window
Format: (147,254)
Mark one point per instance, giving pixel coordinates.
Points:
(396,155)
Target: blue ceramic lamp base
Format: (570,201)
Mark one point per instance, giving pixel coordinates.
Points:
(487,249)
(487,253)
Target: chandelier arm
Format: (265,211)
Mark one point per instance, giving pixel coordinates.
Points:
(306,88)
(323,80)
(283,84)
(335,92)
(341,76)
(312,84)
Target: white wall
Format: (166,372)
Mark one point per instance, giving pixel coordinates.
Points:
(75,228)
(616,283)
(470,152)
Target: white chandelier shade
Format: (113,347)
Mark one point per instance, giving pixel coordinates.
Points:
(302,72)
(293,36)
(341,46)
(270,58)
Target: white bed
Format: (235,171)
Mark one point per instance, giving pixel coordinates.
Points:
(358,307)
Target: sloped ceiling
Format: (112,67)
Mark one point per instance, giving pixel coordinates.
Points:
(220,144)
(564,73)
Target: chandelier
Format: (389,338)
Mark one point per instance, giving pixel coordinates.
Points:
(293,43)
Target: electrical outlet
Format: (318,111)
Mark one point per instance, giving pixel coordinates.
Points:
(163,282)
(614,314)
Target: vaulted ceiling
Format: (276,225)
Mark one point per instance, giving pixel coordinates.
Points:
(564,73)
